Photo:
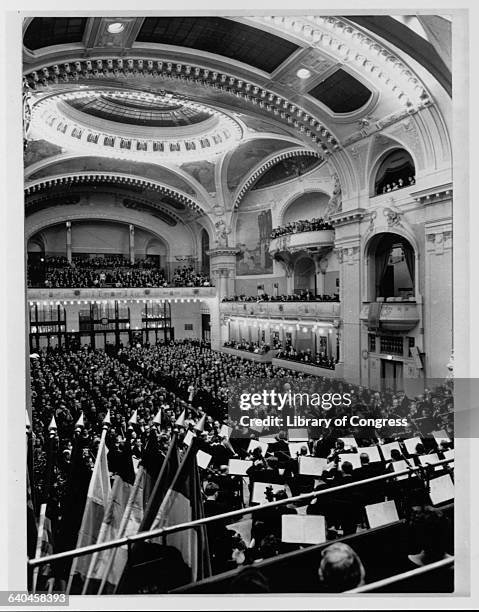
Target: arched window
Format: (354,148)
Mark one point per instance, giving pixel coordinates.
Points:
(395,172)
(392,267)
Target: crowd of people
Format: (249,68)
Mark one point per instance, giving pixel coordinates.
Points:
(317,359)
(302,225)
(114,271)
(189,377)
(259,348)
(188,277)
(393,186)
(304,296)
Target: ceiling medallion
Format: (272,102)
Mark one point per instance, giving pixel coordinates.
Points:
(134,125)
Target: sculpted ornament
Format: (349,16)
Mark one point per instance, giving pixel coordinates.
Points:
(335,201)
(222,232)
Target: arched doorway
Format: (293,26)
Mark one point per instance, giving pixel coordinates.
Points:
(391,261)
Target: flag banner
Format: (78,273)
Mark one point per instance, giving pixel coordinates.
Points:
(181,504)
(96,504)
(137,517)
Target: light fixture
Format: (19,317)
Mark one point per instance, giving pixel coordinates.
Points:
(303,73)
(116,28)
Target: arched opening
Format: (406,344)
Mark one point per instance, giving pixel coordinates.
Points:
(156,252)
(205,247)
(305,276)
(311,205)
(396,171)
(392,263)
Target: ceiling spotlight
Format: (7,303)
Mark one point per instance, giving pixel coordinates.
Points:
(303,73)
(116,28)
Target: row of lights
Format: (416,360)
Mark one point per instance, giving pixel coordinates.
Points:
(314,327)
(112,302)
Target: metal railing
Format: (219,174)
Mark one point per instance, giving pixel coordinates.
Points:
(368,588)
(164,531)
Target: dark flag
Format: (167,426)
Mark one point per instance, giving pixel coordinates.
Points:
(74,501)
(183,503)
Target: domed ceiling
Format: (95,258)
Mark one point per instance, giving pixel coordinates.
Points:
(218,101)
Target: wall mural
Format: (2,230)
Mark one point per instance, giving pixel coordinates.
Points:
(253,231)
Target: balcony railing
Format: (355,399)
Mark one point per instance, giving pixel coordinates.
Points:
(310,241)
(150,293)
(393,316)
(283,310)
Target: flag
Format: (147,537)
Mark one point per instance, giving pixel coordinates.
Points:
(167,472)
(152,460)
(95,506)
(121,491)
(183,503)
(48,514)
(152,463)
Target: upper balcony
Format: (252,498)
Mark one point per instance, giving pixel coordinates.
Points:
(314,241)
(395,315)
(109,293)
(283,310)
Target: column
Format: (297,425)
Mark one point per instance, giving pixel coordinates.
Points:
(350,334)
(132,244)
(223,270)
(438,310)
(68,226)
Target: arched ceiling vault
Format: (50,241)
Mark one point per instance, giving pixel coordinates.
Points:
(184,93)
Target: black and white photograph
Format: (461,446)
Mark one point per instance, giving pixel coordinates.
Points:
(243,331)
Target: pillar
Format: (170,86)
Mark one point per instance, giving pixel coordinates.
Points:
(223,270)
(132,244)
(68,226)
(438,298)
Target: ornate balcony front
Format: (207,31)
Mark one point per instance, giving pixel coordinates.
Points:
(326,311)
(106,293)
(392,316)
(311,242)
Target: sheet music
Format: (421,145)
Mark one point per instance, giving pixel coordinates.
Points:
(303,529)
(382,513)
(203,459)
(353,458)
(312,466)
(238,467)
(371,451)
(441,489)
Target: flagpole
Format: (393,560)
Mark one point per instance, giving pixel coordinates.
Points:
(92,480)
(38,551)
(123,525)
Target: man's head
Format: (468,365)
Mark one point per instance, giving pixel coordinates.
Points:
(364,458)
(340,568)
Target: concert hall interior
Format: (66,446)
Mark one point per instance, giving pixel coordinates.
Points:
(215,207)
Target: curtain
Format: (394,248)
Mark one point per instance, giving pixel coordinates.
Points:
(382,259)
(409,257)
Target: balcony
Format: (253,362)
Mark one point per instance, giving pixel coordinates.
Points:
(283,310)
(150,293)
(391,316)
(313,242)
